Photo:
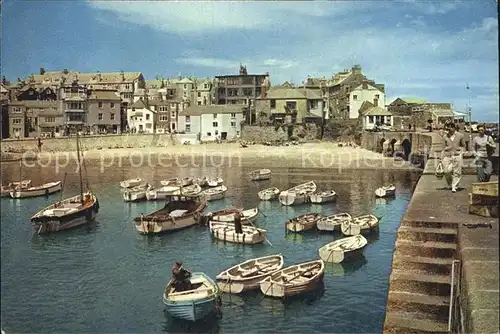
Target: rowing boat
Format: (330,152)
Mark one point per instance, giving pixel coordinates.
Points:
(303,222)
(226,232)
(359,225)
(336,251)
(247,275)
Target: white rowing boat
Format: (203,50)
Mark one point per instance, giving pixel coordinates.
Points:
(43,190)
(260,174)
(227,216)
(359,225)
(386,191)
(226,232)
(297,195)
(131,183)
(294,280)
(323,197)
(269,194)
(303,222)
(333,222)
(215,182)
(247,275)
(336,251)
(215,193)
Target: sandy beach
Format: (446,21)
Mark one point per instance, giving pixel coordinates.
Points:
(307,155)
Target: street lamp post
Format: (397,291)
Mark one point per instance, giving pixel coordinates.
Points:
(470,118)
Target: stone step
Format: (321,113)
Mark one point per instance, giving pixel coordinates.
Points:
(419,281)
(430,224)
(425,248)
(416,302)
(412,323)
(427,234)
(440,266)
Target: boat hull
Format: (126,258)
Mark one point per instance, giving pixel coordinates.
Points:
(134,196)
(249,215)
(292,198)
(45,191)
(332,223)
(47,224)
(191,310)
(226,232)
(343,249)
(269,194)
(319,199)
(383,193)
(130,183)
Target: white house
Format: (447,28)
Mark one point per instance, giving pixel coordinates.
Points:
(362,93)
(210,122)
(377,116)
(141,117)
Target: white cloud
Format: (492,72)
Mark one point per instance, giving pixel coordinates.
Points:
(415,59)
(209,62)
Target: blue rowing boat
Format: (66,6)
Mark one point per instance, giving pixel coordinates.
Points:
(195,304)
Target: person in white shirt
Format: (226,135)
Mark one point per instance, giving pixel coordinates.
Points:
(483,146)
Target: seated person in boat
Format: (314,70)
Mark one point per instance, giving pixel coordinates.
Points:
(237,223)
(181,278)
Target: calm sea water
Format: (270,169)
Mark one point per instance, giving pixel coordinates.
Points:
(108,278)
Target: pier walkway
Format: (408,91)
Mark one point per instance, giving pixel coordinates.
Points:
(430,237)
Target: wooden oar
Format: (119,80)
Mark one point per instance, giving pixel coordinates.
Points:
(303,272)
(257,269)
(269,242)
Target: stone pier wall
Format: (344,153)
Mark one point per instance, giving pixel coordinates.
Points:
(261,134)
(87,143)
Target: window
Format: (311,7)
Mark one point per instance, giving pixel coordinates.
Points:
(147,117)
(247,92)
(314,104)
(214,124)
(164,118)
(215,116)
(185,86)
(188,128)
(50,119)
(273,104)
(205,86)
(172,126)
(354,97)
(370,119)
(112,116)
(173,114)
(388,119)
(292,105)
(199,103)
(237,133)
(377,96)
(100,104)
(163,108)
(233,124)
(188,119)
(149,125)
(16,109)
(75,106)
(199,94)
(112,105)
(172,105)
(209,134)
(99,116)
(185,94)
(233,115)
(216,132)
(16,121)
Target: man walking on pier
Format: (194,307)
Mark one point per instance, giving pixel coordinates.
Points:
(452,157)
(483,146)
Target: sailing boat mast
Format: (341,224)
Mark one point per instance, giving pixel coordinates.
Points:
(79,166)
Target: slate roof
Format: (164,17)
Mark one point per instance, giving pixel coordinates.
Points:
(109,95)
(292,93)
(377,111)
(214,109)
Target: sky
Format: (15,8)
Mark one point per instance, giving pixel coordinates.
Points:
(425,49)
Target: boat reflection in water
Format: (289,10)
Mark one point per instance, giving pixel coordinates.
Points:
(295,237)
(373,235)
(345,268)
(278,306)
(207,325)
(384,201)
(232,301)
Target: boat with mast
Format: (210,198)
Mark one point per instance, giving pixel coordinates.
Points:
(71,212)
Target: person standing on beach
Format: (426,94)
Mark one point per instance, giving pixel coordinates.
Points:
(40,144)
(451,157)
(483,146)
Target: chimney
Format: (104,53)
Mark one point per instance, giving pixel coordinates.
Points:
(365,84)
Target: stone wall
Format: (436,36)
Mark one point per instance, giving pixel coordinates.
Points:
(261,134)
(372,141)
(87,143)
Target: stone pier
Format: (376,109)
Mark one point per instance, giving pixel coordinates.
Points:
(431,236)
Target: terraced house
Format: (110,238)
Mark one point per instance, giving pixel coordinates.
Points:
(416,111)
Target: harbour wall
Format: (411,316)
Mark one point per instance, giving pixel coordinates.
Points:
(431,243)
(261,134)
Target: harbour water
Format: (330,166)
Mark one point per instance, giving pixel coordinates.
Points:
(108,278)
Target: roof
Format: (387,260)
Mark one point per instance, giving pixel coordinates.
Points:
(311,115)
(241,75)
(104,95)
(213,109)
(3,89)
(365,106)
(84,78)
(292,93)
(377,111)
(139,104)
(414,100)
(443,112)
(155,84)
(156,102)
(369,87)
(41,104)
(458,113)
(185,81)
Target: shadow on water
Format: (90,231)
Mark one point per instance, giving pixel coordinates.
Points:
(384,201)
(373,235)
(38,241)
(207,325)
(278,306)
(347,267)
